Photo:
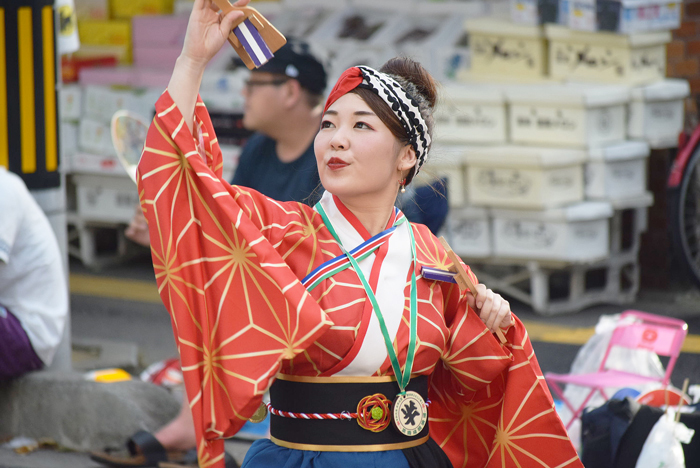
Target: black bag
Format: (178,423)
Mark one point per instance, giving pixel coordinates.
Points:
(602,430)
(612,435)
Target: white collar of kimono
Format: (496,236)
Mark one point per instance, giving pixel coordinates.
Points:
(390,290)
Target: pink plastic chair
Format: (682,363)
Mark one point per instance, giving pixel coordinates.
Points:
(661,335)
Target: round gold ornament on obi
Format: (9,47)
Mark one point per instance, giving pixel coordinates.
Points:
(373,412)
(260,414)
(410,413)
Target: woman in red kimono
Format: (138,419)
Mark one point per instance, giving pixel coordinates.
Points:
(367,361)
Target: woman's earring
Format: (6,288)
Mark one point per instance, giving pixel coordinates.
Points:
(402,183)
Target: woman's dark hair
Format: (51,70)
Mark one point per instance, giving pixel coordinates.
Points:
(418,83)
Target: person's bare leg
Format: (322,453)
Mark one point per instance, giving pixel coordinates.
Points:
(178,434)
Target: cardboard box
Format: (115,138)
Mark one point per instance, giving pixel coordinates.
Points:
(125,9)
(92,9)
(625,16)
(159,31)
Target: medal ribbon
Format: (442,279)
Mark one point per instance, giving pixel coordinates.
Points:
(341,262)
(402,378)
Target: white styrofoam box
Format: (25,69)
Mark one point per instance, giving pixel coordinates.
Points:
(625,16)
(88,163)
(446,161)
(607,57)
(573,114)
(534,12)
(575,233)
(69,143)
(470,113)
(70,97)
(524,176)
(617,171)
(644,200)
(95,137)
(656,112)
(105,198)
(468,231)
(504,48)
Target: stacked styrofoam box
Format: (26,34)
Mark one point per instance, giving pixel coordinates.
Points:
(502,48)
(574,233)
(525,177)
(631,59)
(471,114)
(467,228)
(536,195)
(617,171)
(577,115)
(656,112)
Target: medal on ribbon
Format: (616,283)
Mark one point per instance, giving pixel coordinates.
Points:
(410,413)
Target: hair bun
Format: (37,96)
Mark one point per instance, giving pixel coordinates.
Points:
(413,72)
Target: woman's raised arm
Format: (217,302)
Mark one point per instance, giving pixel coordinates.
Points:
(207,30)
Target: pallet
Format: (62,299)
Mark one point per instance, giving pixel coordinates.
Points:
(83,242)
(553,288)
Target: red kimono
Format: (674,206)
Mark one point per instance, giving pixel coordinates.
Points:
(229,264)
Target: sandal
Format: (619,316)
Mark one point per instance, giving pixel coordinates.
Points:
(190,461)
(142,450)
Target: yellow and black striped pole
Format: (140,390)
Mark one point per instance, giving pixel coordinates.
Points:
(28,100)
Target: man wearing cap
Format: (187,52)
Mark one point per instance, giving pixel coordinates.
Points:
(282,105)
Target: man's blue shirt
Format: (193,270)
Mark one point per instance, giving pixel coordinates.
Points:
(259,168)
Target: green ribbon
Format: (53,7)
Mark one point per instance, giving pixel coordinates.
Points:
(403,378)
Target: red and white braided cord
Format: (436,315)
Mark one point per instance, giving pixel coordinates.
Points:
(289,414)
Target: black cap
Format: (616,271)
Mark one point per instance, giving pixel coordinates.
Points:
(295,60)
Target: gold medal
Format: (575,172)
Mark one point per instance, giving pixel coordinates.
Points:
(260,414)
(410,413)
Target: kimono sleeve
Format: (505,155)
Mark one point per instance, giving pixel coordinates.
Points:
(237,309)
(491,406)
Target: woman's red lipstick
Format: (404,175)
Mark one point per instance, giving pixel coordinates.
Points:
(335,164)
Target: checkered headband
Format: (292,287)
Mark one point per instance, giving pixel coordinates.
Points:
(396,97)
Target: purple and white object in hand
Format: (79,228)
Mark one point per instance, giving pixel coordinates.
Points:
(438,275)
(253,43)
